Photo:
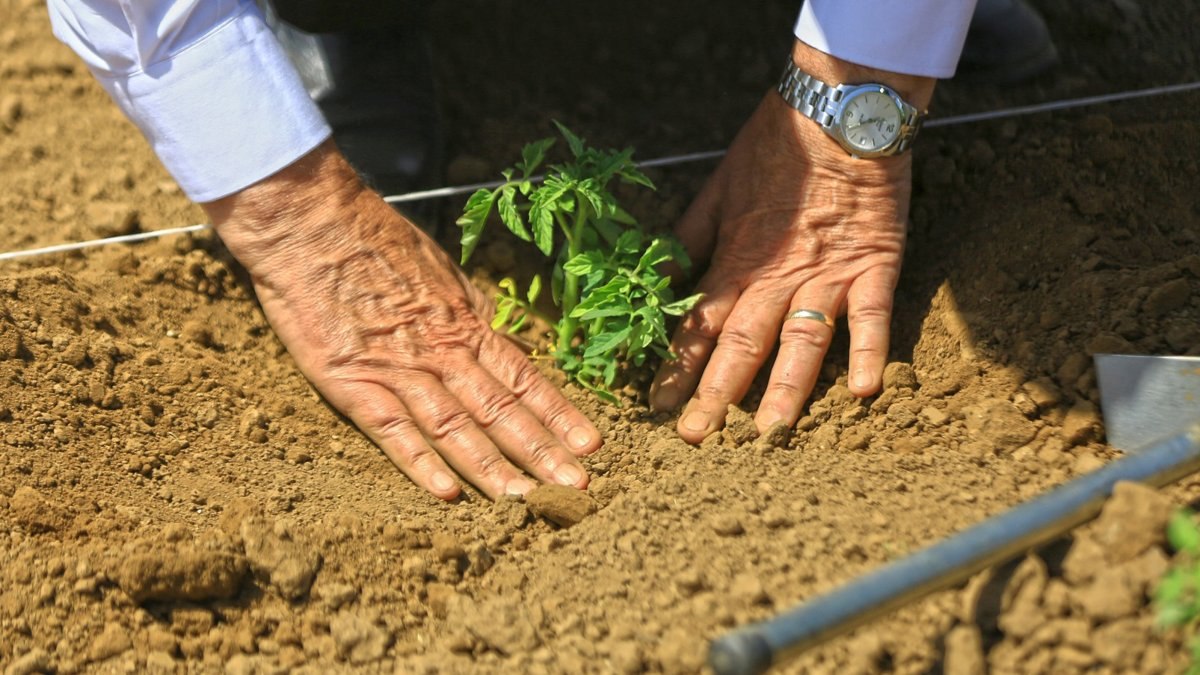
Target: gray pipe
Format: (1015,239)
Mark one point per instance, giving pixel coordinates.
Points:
(755,648)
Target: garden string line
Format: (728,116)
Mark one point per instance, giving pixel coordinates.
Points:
(661,161)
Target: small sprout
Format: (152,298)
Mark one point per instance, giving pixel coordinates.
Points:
(606,278)
(1177,595)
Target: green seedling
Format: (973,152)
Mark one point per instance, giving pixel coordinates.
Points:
(606,280)
(1177,595)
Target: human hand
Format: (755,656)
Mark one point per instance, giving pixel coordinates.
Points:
(393,334)
(790,221)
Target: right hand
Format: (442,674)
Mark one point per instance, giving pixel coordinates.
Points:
(393,334)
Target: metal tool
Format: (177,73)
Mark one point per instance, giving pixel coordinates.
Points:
(1147,398)
(755,648)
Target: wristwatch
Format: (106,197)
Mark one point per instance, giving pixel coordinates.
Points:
(868,120)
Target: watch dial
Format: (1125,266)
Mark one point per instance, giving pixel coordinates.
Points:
(871,121)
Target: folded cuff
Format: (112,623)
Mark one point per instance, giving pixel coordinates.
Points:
(916,37)
(224,113)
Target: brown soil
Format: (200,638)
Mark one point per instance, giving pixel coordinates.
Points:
(174,496)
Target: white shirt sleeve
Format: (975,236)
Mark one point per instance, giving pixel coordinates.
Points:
(205,81)
(914,37)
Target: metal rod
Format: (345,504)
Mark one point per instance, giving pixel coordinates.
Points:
(755,648)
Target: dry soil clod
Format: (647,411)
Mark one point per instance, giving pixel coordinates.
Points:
(559,504)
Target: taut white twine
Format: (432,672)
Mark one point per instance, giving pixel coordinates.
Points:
(661,161)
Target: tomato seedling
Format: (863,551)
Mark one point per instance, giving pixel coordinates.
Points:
(1178,592)
(606,279)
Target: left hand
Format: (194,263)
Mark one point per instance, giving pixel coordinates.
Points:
(790,221)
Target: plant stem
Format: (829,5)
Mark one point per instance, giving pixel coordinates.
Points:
(570,298)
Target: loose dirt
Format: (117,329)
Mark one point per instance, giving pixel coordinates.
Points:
(174,497)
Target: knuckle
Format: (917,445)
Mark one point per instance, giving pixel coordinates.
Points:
(703,322)
(449,424)
(716,394)
(496,408)
(785,389)
(391,426)
(541,453)
(866,351)
(491,466)
(812,334)
(525,380)
(559,415)
(417,457)
(871,311)
(738,341)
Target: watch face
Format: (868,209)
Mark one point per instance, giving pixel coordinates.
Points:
(870,120)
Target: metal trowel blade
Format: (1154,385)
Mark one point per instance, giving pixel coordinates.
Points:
(1147,398)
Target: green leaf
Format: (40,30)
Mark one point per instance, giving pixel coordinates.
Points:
(606,343)
(535,288)
(614,161)
(504,310)
(680,307)
(629,243)
(552,191)
(542,221)
(610,372)
(509,214)
(533,154)
(474,217)
(633,175)
(518,323)
(598,297)
(575,142)
(615,305)
(657,253)
(584,263)
(1183,533)
(589,190)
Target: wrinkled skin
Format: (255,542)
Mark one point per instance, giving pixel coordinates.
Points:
(393,334)
(789,221)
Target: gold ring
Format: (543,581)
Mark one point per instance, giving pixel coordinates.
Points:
(812,315)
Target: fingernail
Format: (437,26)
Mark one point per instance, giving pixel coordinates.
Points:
(666,398)
(696,421)
(442,481)
(579,438)
(568,474)
(518,486)
(862,379)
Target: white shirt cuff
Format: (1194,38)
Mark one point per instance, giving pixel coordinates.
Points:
(224,113)
(914,37)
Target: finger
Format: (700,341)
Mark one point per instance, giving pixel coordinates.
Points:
(869,316)
(692,346)
(803,343)
(516,431)
(449,428)
(543,399)
(381,416)
(697,228)
(745,341)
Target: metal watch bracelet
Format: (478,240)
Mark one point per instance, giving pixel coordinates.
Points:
(819,101)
